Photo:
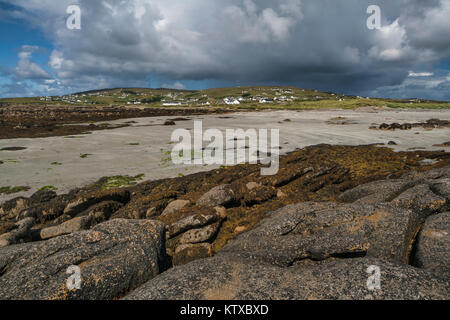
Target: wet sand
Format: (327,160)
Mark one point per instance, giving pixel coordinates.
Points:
(143,146)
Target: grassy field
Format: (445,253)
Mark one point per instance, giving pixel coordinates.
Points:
(302,99)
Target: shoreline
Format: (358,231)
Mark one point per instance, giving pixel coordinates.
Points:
(143,145)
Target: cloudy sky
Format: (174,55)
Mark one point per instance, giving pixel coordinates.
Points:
(194,44)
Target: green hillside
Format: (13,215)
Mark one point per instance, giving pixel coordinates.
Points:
(273,97)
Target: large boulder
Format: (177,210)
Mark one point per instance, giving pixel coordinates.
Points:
(10,210)
(73,225)
(421,191)
(420,198)
(228,277)
(114,258)
(433,245)
(191,222)
(20,232)
(200,235)
(46,211)
(322,231)
(85,201)
(175,206)
(218,196)
(376,192)
(102,211)
(442,187)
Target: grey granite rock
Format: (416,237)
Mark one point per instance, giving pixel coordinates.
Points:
(433,245)
(191,222)
(218,196)
(21,232)
(227,277)
(200,235)
(420,198)
(114,258)
(175,206)
(9,210)
(73,225)
(83,202)
(321,231)
(376,192)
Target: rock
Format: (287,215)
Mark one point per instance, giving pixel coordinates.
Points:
(200,235)
(430,176)
(186,212)
(13,149)
(76,224)
(218,196)
(43,196)
(442,188)
(442,145)
(252,185)
(83,202)
(376,192)
(48,211)
(189,252)
(191,222)
(20,232)
(227,277)
(321,231)
(10,210)
(175,206)
(392,143)
(240,229)
(421,199)
(114,258)
(169,123)
(144,206)
(433,245)
(6,226)
(102,211)
(259,195)
(151,212)
(221,211)
(280,194)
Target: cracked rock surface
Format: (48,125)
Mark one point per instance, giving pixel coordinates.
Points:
(326,250)
(313,231)
(114,258)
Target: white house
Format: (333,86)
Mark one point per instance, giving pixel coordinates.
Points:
(231,101)
(265,100)
(172,103)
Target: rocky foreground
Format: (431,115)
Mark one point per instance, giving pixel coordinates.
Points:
(310,232)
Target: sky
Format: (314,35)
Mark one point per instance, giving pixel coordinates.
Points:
(198,44)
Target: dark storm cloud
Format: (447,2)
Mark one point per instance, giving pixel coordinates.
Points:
(323,44)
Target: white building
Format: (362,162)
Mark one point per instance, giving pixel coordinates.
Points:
(231,101)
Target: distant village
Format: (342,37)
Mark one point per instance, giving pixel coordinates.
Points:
(210,97)
(188,98)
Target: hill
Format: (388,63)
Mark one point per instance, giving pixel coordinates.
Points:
(258,97)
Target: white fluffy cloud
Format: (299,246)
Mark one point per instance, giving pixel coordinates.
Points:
(27,69)
(322,44)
